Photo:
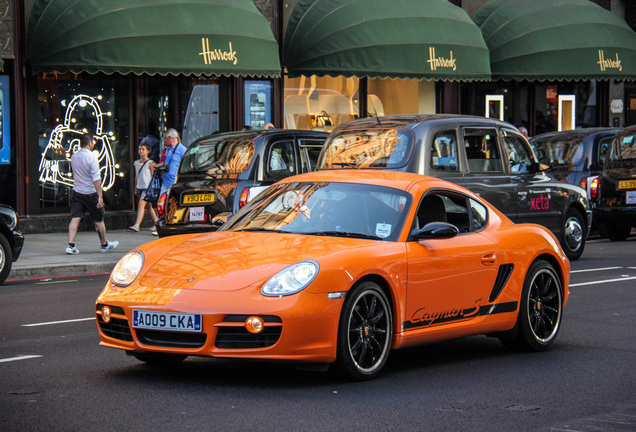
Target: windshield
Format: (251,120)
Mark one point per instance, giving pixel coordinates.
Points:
(217,157)
(624,146)
(371,148)
(331,209)
(562,150)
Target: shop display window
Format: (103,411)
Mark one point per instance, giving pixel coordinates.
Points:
(69,107)
(320,103)
(400,96)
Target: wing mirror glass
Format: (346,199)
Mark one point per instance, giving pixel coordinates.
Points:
(436,230)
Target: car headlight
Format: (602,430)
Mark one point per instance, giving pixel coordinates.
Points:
(127,269)
(291,280)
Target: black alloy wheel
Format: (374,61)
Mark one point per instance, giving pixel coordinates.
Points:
(365,332)
(540,309)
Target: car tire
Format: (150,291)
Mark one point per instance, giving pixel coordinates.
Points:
(573,237)
(6,258)
(365,332)
(159,359)
(540,310)
(616,232)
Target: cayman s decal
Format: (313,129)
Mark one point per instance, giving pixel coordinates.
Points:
(424,318)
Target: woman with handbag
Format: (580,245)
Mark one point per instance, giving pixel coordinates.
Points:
(144,170)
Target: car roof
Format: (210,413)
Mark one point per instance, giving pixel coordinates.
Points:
(573,134)
(411,120)
(256,133)
(395,179)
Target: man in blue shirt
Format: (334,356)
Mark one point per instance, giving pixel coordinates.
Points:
(174,152)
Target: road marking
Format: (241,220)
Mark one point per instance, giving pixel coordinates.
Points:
(48,282)
(58,322)
(24,357)
(603,281)
(592,270)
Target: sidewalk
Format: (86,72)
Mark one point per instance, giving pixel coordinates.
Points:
(43,254)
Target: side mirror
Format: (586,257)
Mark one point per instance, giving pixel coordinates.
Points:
(219,220)
(436,230)
(545,164)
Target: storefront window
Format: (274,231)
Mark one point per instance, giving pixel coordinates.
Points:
(400,96)
(320,103)
(68,108)
(258,103)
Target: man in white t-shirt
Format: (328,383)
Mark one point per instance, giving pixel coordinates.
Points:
(87,195)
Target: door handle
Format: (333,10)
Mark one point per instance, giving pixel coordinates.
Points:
(489,259)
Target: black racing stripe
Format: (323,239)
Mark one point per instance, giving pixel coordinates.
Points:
(436,319)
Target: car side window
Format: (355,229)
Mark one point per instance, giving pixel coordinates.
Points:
(281,159)
(478,215)
(519,155)
(309,153)
(444,206)
(602,149)
(443,156)
(482,150)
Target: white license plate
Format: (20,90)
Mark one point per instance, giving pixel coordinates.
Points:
(169,321)
(197,214)
(631,197)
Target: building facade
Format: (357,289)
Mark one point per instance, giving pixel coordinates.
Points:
(46,103)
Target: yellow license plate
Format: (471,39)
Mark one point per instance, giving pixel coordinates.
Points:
(627,184)
(203,198)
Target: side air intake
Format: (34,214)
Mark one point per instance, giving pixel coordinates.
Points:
(505,270)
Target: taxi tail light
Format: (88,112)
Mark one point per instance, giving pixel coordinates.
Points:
(583,183)
(161,204)
(244,196)
(594,188)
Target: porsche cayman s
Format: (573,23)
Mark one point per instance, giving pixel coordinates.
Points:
(339,268)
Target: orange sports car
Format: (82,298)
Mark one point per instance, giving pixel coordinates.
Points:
(339,267)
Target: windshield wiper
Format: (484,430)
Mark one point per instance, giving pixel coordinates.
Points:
(260,229)
(344,234)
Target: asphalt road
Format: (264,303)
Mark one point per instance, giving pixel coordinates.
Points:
(54,375)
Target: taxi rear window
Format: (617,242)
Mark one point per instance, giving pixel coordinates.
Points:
(371,148)
(218,157)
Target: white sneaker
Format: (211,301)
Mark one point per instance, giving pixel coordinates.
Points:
(110,245)
(71,250)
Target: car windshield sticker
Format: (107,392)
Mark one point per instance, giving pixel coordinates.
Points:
(444,161)
(628,140)
(194,150)
(383,230)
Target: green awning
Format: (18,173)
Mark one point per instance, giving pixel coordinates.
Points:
(424,39)
(556,40)
(200,37)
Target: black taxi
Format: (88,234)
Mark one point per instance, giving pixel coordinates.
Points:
(488,156)
(615,207)
(220,173)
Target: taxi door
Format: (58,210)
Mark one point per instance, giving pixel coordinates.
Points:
(484,170)
(537,198)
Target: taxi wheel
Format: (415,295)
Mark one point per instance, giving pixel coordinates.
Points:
(365,332)
(6,258)
(617,232)
(159,359)
(540,310)
(573,241)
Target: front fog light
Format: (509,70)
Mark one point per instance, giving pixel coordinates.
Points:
(254,324)
(106,314)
